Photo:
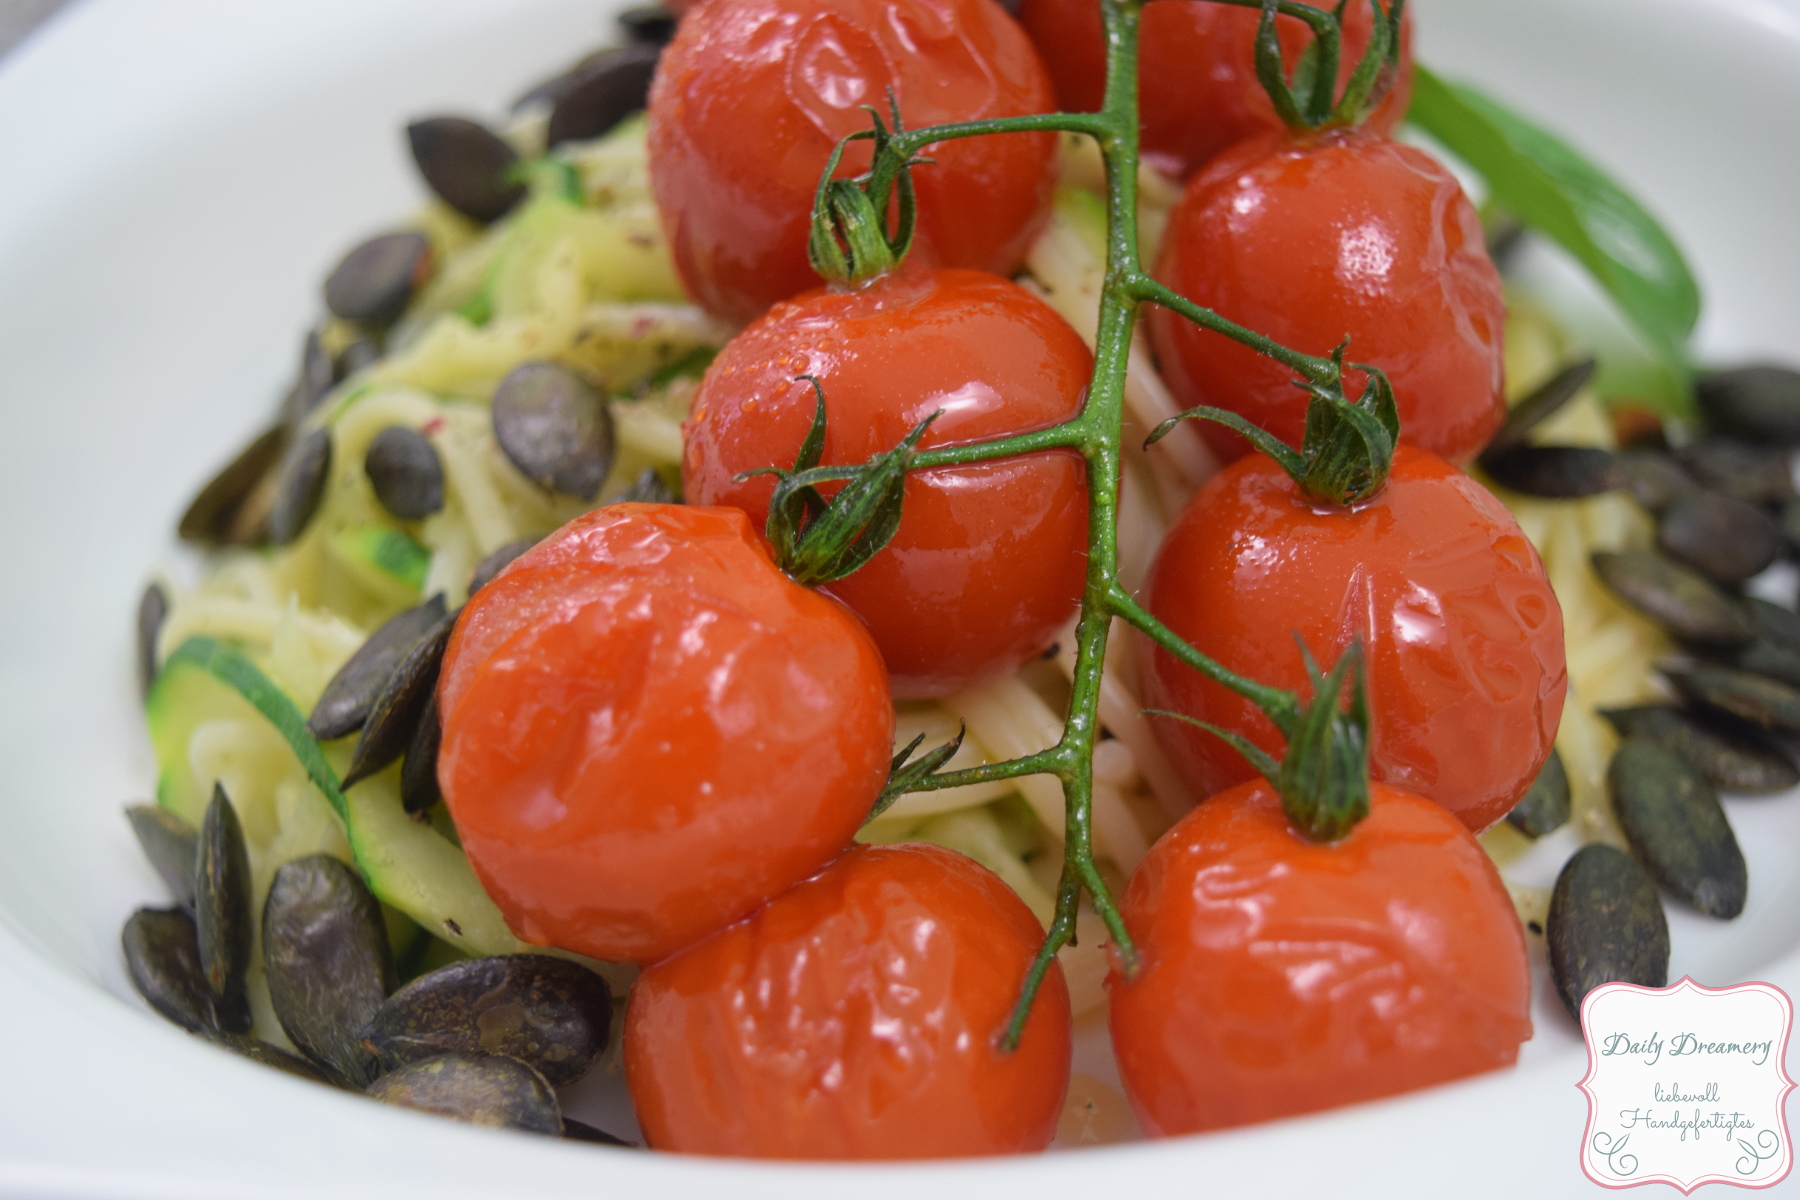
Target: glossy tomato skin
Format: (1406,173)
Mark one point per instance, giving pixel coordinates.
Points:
(752,95)
(989,559)
(1282,976)
(1463,635)
(1311,241)
(855,1017)
(649,730)
(1197,87)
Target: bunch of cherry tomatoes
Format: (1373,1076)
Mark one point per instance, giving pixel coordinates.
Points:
(658,747)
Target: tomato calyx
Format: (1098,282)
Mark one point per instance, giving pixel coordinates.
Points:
(1348,447)
(817,540)
(850,239)
(1315,76)
(1323,779)
(905,776)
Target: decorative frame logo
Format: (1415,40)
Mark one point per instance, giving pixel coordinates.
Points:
(1687,1085)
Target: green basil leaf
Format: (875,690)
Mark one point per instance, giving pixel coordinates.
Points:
(1552,188)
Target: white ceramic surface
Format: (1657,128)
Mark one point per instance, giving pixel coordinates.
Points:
(175,175)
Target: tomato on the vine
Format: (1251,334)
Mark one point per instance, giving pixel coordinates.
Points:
(1463,636)
(1281,976)
(649,730)
(990,557)
(752,95)
(1316,238)
(1197,88)
(856,1016)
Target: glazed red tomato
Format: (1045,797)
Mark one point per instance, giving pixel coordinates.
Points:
(1348,234)
(649,730)
(1197,86)
(855,1017)
(752,95)
(1282,976)
(1463,635)
(989,559)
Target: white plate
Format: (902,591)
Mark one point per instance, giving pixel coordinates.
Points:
(176,177)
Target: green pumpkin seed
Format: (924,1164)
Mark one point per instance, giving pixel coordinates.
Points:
(1732,758)
(326,945)
(498,561)
(1653,478)
(418,770)
(1545,805)
(647,488)
(373,282)
(469,167)
(1754,474)
(555,428)
(1761,702)
(1761,403)
(405,472)
(1725,539)
(171,845)
(394,717)
(1606,925)
(601,94)
(162,956)
(1547,398)
(222,912)
(232,508)
(578,1131)
(482,1089)
(1676,597)
(1671,817)
(344,706)
(1562,472)
(270,1056)
(317,375)
(153,610)
(305,468)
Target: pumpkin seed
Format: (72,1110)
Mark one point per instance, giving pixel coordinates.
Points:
(1764,703)
(1563,472)
(1774,623)
(162,956)
(603,93)
(1653,478)
(153,610)
(498,561)
(373,283)
(468,166)
(221,513)
(222,912)
(1671,817)
(1544,400)
(1505,235)
(406,473)
(482,1089)
(1754,474)
(418,769)
(358,355)
(1759,402)
(304,470)
(171,845)
(344,706)
(549,1012)
(647,488)
(1763,657)
(1680,599)
(1725,539)
(326,946)
(578,1131)
(555,427)
(317,375)
(650,24)
(1730,757)
(1606,925)
(270,1056)
(1545,804)
(397,708)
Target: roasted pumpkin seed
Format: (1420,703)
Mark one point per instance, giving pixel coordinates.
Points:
(373,283)
(153,610)
(1563,472)
(1677,597)
(357,355)
(406,473)
(347,699)
(1653,478)
(579,1131)
(1731,757)
(650,24)
(1759,402)
(397,708)
(493,564)
(1725,539)
(317,375)
(1606,925)
(556,429)
(467,165)
(305,468)
(326,947)
(1671,817)
(221,514)
(270,1056)
(222,912)
(1759,701)
(162,956)
(1544,400)
(603,93)
(172,847)
(549,1012)
(1545,805)
(647,488)
(1754,474)
(418,769)
(482,1089)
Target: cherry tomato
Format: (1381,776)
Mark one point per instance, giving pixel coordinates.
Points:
(1463,635)
(1282,976)
(989,559)
(752,95)
(1348,234)
(649,730)
(855,1017)
(1197,87)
